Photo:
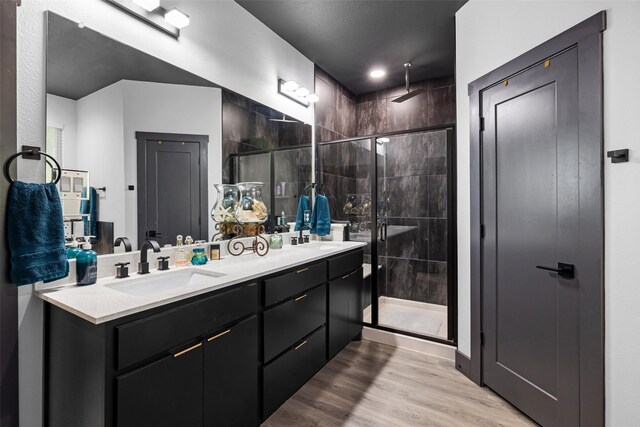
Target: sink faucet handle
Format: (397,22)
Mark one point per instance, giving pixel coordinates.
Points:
(163,263)
(122,271)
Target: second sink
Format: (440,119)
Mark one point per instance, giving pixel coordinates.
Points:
(165,282)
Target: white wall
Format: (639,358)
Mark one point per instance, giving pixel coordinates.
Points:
(155,107)
(490,33)
(61,112)
(224,44)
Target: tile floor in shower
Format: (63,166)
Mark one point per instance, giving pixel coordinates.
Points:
(412,316)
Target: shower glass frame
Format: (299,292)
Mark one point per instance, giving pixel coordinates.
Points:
(452,264)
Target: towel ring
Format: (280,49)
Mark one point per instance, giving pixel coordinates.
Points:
(33,151)
(319,188)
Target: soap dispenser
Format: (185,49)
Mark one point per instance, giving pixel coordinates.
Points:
(86,266)
(73,250)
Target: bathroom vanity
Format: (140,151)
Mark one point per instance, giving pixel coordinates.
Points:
(222,344)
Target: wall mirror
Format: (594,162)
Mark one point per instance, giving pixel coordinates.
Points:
(142,142)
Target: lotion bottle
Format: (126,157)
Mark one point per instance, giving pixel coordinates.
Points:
(86,266)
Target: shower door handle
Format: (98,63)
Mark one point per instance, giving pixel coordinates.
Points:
(383,232)
(563,270)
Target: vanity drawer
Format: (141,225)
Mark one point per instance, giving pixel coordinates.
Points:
(144,338)
(282,287)
(343,264)
(285,375)
(289,322)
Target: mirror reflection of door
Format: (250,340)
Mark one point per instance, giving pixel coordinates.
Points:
(172,187)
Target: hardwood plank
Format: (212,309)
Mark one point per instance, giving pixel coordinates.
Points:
(372,384)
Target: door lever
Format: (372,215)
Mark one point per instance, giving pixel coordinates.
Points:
(563,270)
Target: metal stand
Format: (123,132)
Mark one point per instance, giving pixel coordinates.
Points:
(259,245)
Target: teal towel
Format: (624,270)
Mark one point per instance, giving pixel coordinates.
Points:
(35,230)
(303,205)
(321,218)
(90,207)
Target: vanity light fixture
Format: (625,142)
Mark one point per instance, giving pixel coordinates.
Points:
(148,5)
(177,18)
(292,90)
(150,12)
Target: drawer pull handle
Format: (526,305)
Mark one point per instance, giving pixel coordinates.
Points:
(346,275)
(300,345)
(300,297)
(302,271)
(354,272)
(219,335)
(193,347)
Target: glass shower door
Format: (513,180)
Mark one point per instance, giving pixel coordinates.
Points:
(412,190)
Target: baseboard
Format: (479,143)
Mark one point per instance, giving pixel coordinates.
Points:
(463,364)
(409,343)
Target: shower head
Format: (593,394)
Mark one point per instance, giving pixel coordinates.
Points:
(410,94)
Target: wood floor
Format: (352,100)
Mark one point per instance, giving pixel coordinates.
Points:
(371,384)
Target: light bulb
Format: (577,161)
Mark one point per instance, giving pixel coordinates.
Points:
(313,98)
(302,91)
(378,73)
(148,5)
(177,18)
(290,85)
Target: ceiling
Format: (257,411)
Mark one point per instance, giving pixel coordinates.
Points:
(349,38)
(81,61)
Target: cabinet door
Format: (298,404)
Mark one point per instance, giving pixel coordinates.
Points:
(231,376)
(355,303)
(164,393)
(338,315)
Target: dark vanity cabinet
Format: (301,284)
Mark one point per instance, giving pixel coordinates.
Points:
(226,358)
(345,301)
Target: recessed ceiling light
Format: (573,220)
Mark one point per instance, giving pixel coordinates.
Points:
(377,73)
(302,91)
(177,18)
(148,5)
(313,98)
(290,85)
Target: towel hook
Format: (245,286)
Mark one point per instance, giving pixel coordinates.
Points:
(33,153)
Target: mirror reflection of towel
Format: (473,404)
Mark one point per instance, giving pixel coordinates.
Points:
(35,231)
(303,205)
(90,207)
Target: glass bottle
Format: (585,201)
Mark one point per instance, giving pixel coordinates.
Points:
(182,258)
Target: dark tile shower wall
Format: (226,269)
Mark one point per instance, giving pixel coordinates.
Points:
(247,128)
(376,113)
(415,259)
(335,113)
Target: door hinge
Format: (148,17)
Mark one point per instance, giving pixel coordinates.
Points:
(481,337)
(481,124)
(482,231)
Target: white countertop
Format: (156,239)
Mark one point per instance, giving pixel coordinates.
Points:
(101,303)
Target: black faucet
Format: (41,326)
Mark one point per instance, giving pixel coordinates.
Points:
(125,241)
(143,265)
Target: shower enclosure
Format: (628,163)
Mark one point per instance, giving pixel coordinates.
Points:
(395,191)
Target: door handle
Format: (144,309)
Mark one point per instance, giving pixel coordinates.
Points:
(383,232)
(563,270)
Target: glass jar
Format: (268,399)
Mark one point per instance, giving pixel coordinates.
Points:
(199,256)
(223,211)
(251,209)
(275,241)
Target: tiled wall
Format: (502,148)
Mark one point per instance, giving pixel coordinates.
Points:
(246,128)
(336,111)
(415,259)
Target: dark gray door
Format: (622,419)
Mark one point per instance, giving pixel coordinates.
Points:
(531,353)
(172,180)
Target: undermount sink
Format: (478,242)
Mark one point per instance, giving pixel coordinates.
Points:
(164,282)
